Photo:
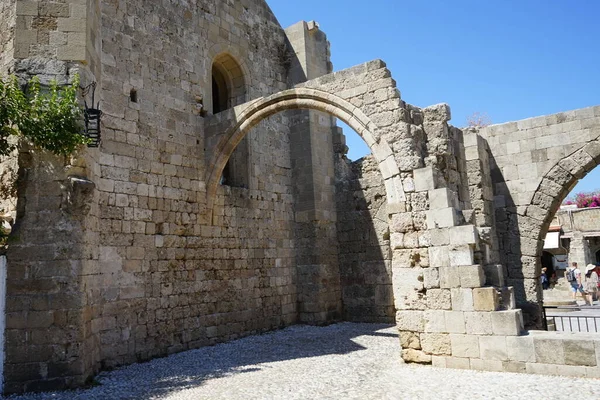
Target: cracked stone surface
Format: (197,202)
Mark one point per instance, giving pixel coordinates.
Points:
(343,361)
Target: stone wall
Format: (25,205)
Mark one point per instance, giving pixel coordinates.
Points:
(363,235)
(171,276)
(579,219)
(8,20)
(534,164)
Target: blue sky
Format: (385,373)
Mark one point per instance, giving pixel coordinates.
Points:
(510,59)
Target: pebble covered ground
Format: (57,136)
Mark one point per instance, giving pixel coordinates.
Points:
(343,361)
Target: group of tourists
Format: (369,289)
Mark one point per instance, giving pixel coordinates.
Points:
(587,283)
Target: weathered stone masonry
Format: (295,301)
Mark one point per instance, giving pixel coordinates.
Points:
(220,204)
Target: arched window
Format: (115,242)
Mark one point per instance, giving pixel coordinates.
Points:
(229,90)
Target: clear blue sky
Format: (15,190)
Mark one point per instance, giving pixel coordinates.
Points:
(510,59)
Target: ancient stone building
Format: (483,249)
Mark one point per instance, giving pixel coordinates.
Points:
(220,203)
(575,234)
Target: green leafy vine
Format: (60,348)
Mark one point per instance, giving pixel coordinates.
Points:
(50,119)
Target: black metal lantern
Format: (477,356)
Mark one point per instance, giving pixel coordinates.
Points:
(92,118)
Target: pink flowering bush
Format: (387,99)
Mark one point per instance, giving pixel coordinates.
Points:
(585,200)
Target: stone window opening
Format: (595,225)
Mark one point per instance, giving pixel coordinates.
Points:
(229,90)
(133,96)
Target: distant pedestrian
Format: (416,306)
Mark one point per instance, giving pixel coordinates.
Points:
(544,279)
(591,283)
(574,277)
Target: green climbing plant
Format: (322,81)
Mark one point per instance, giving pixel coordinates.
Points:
(50,118)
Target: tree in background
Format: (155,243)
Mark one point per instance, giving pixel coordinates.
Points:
(584,200)
(478,120)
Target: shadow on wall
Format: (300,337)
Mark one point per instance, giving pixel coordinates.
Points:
(363,235)
(159,378)
(522,278)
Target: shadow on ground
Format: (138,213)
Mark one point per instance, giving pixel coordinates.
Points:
(158,378)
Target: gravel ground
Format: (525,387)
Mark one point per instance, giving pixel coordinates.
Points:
(343,361)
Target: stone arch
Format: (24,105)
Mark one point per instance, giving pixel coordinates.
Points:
(229,89)
(232,62)
(302,98)
(231,81)
(554,187)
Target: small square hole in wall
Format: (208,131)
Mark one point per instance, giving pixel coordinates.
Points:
(133,96)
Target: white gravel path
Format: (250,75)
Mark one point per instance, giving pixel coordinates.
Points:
(343,361)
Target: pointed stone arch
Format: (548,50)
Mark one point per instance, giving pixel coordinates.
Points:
(242,118)
(229,89)
(554,187)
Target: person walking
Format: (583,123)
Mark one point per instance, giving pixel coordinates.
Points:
(591,283)
(574,277)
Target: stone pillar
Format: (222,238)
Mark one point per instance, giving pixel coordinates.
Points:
(579,250)
(311,141)
(53,250)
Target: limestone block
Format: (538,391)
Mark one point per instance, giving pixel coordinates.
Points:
(439,237)
(431,278)
(435,321)
(520,348)
(597,344)
(465,346)
(425,179)
(441,198)
(461,255)
(388,167)
(397,240)
(411,240)
(26,7)
(493,348)
(494,274)
(592,372)
(478,364)
(439,256)
(464,235)
(394,190)
(438,362)
(416,356)
(508,298)
(442,218)
(462,299)
(471,153)
(572,370)
(437,113)
(514,366)
(549,351)
(471,276)
(478,323)
(580,352)
(449,277)
(542,369)
(458,363)
(436,343)
(439,299)
(455,322)
(410,340)
(410,258)
(407,281)
(402,222)
(486,299)
(408,320)
(508,323)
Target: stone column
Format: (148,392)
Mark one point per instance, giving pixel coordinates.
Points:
(579,250)
(311,141)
